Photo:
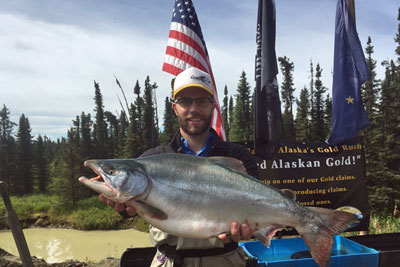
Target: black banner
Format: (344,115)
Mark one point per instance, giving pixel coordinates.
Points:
(321,175)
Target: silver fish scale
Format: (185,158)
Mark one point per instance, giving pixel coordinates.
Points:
(201,183)
(197,197)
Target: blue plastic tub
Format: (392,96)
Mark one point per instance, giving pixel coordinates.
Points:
(344,253)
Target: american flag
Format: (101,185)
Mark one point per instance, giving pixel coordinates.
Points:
(186,48)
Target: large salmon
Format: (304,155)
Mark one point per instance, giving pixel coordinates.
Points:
(198,197)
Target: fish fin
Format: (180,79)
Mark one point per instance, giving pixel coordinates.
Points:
(146,210)
(320,246)
(337,221)
(319,238)
(232,163)
(265,235)
(289,193)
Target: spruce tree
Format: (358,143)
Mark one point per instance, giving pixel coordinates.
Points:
(383,186)
(170,120)
(155,110)
(397,38)
(150,131)
(390,105)
(41,165)
(112,132)
(7,147)
(86,141)
(287,91)
(241,125)
(65,183)
(319,130)
(302,122)
(369,90)
(396,105)
(6,125)
(371,135)
(23,182)
(133,144)
(100,127)
(224,112)
(231,108)
(122,134)
(328,114)
(139,105)
(312,90)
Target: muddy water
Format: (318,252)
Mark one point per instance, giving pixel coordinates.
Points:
(57,245)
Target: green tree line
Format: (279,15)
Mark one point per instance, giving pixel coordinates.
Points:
(42,165)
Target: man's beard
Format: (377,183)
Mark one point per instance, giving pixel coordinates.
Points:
(195,130)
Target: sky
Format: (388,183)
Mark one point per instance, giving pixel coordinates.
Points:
(52,51)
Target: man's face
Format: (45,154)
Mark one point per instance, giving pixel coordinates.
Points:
(194,119)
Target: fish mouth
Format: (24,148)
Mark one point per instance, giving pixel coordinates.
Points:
(103,183)
(97,183)
(93,166)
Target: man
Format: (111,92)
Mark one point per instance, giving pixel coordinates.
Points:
(193,105)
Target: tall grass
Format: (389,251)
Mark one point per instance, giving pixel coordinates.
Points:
(381,223)
(87,214)
(31,204)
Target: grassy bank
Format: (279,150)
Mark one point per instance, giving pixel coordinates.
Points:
(380,224)
(92,214)
(88,214)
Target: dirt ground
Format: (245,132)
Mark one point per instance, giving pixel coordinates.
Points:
(8,260)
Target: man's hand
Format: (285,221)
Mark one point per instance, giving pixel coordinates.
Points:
(238,232)
(118,206)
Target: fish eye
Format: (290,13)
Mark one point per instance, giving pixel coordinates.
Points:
(112,171)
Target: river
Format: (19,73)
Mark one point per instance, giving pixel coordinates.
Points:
(58,245)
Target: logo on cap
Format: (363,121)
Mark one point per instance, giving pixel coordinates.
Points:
(201,78)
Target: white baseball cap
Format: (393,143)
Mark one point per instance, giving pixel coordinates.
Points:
(192,77)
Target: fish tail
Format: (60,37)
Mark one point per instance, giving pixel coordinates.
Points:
(319,237)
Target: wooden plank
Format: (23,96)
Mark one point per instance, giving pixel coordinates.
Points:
(16,228)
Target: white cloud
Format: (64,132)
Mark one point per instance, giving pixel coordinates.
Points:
(53,54)
(50,68)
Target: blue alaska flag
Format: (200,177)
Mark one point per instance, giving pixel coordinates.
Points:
(350,71)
